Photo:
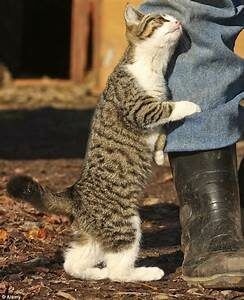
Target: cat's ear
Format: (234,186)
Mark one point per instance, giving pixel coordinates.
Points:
(132,15)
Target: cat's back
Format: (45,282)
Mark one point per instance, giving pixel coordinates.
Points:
(110,131)
(108,116)
(116,155)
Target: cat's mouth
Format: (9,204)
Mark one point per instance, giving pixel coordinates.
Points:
(178,28)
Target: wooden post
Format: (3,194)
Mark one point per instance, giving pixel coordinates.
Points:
(79,39)
(97,28)
(110,41)
(239,45)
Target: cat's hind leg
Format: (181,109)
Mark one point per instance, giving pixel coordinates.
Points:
(121,267)
(81,259)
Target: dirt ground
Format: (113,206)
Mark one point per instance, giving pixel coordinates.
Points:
(49,144)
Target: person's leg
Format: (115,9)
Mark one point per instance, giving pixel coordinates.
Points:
(212,241)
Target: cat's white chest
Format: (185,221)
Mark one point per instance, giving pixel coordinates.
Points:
(151,82)
(148,70)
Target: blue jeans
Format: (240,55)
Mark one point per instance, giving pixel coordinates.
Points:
(207,73)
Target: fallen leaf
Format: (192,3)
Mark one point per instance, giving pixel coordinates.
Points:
(150,201)
(54,219)
(167,178)
(154,288)
(30,225)
(35,287)
(193,291)
(226,292)
(14,277)
(41,270)
(65,295)
(37,233)
(147,224)
(3,235)
(18,170)
(33,290)
(3,287)
(42,233)
(161,296)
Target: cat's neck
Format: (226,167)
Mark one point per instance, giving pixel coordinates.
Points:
(149,66)
(155,60)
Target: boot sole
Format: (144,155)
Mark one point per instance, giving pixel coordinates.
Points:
(218,281)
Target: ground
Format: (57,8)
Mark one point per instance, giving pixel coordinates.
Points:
(49,143)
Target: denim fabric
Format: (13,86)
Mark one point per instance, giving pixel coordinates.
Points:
(207,73)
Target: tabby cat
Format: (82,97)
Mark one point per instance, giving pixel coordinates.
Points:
(104,202)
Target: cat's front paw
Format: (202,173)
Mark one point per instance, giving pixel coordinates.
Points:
(146,274)
(159,157)
(183,109)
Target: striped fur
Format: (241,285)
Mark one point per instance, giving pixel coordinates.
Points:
(117,165)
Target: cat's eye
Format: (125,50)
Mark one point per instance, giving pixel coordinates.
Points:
(161,20)
(164,20)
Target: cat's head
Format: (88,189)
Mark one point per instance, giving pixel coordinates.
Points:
(152,29)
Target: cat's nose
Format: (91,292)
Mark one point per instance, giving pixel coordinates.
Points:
(178,23)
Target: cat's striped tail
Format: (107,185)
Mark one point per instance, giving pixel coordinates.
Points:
(27,189)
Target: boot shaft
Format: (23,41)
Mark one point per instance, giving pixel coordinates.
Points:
(207,188)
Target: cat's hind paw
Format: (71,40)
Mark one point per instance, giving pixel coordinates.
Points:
(138,274)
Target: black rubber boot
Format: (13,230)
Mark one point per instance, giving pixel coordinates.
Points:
(241,188)
(212,241)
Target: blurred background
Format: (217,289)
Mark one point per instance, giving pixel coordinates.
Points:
(62,39)
(55,57)
(76,41)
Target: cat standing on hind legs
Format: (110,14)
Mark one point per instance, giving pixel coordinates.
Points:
(118,163)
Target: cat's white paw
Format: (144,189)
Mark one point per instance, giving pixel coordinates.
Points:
(153,273)
(94,274)
(88,274)
(146,274)
(138,274)
(159,157)
(183,109)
